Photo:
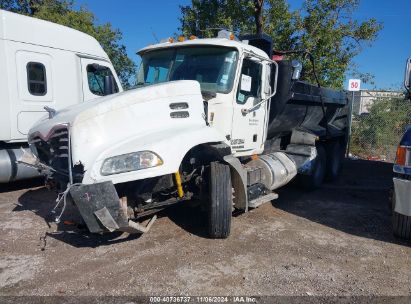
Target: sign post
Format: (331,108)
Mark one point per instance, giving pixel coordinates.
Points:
(354,85)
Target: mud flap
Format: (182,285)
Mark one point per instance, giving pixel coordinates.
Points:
(102,210)
(239,182)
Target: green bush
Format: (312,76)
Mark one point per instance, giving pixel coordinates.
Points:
(378,133)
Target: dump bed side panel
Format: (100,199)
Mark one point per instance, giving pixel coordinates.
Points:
(302,105)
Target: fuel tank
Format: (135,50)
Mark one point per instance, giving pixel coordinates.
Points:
(298,104)
(10,170)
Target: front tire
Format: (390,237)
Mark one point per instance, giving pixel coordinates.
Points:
(220,201)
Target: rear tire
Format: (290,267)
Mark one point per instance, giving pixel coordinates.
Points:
(314,180)
(220,201)
(401,224)
(335,156)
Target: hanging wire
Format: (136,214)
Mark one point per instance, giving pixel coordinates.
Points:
(62,197)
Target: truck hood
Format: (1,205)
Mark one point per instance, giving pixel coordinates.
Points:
(91,109)
(131,121)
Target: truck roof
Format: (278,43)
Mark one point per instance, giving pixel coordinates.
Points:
(35,31)
(206,41)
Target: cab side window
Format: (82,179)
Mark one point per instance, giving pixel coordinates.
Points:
(36,79)
(96,75)
(250,81)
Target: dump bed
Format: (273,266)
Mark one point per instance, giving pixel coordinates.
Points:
(298,104)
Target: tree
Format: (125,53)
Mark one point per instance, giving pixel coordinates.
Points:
(325,28)
(334,37)
(27,7)
(202,15)
(258,15)
(63,12)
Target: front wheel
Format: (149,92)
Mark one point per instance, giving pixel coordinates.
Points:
(220,201)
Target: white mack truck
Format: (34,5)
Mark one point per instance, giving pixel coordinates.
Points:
(214,119)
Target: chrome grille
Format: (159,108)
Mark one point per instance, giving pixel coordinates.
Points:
(54,151)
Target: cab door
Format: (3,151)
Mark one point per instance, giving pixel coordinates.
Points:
(34,90)
(93,73)
(248,129)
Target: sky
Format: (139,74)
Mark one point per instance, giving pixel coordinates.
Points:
(143,22)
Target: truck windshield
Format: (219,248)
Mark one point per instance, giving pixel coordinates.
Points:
(213,67)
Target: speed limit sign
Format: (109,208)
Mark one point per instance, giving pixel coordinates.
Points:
(354,85)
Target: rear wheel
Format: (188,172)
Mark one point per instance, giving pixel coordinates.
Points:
(401,226)
(220,201)
(316,178)
(335,157)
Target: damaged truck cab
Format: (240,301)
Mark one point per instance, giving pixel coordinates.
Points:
(205,122)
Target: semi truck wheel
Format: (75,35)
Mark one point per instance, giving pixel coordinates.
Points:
(335,156)
(314,180)
(220,201)
(401,224)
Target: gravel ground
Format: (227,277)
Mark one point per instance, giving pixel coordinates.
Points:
(336,240)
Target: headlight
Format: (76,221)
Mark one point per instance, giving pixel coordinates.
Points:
(130,162)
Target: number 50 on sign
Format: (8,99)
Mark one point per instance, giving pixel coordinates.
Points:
(354,85)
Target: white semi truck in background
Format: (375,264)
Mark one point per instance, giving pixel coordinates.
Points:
(43,65)
(214,119)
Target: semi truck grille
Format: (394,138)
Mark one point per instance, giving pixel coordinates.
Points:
(54,151)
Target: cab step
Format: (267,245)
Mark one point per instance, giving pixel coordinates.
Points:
(263,199)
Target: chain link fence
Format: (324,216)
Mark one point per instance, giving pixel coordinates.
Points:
(379,121)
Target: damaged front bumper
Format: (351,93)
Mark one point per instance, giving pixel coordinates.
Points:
(99,205)
(102,209)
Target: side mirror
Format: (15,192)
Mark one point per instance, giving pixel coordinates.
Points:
(297,68)
(267,82)
(407,76)
(109,86)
